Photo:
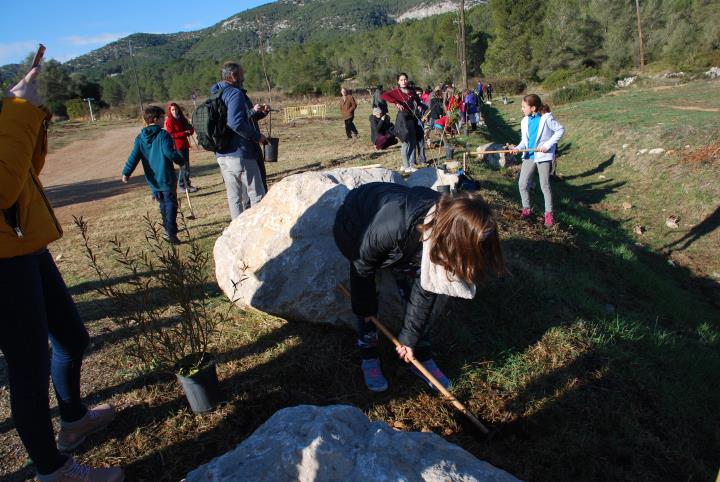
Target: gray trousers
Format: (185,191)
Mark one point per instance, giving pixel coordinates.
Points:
(527,170)
(243,183)
(407,151)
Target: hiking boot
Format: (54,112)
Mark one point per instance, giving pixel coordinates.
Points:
(525,214)
(434,371)
(374,379)
(549,220)
(188,189)
(75,472)
(72,434)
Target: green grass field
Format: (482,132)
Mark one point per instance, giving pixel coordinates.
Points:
(596,359)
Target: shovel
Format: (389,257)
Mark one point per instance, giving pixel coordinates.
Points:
(192,213)
(503,151)
(448,396)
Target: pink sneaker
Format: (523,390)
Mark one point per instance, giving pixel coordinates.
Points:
(549,219)
(525,214)
(72,434)
(75,472)
(374,379)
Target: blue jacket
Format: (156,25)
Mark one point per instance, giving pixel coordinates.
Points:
(154,147)
(241,119)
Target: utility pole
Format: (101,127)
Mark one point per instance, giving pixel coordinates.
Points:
(137,83)
(463,59)
(89,101)
(640,35)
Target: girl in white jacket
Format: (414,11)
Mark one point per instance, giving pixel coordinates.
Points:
(540,131)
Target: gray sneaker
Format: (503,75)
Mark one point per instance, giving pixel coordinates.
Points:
(75,472)
(72,434)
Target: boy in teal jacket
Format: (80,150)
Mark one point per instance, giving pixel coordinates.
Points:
(154,147)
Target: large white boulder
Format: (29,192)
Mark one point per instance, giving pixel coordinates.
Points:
(280,256)
(496,160)
(338,443)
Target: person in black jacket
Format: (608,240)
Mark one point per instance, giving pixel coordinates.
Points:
(436,245)
(382,131)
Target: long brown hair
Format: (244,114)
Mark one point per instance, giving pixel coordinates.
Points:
(533,100)
(464,238)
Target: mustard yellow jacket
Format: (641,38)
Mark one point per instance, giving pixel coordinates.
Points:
(23,145)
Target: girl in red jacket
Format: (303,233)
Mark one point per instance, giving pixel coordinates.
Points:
(180,129)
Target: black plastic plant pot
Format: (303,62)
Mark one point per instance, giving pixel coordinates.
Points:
(271,149)
(202,389)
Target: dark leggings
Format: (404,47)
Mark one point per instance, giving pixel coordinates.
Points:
(184,176)
(36,305)
(350,127)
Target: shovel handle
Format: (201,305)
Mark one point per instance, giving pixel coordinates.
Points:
(505,151)
(448,396)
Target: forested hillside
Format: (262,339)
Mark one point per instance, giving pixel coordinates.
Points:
(313,45)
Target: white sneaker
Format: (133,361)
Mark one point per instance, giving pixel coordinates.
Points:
(75,472)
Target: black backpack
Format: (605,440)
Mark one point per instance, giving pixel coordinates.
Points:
(210,122)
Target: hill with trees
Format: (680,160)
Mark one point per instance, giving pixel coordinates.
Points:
(311,46)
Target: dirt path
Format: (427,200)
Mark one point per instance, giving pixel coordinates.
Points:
(693,108)
(80,178)
(86,160)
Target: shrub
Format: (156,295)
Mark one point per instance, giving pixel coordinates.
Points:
(330,88)
(558,78)
(581,91)
(511,86)
(165,301)
(57,107)
(76,108)
(303,88)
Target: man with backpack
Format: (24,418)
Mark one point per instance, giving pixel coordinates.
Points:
(238,153)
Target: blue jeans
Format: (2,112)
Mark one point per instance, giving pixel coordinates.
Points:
(168,211)
(36,305)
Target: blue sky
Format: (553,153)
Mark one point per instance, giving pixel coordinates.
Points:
(72,28)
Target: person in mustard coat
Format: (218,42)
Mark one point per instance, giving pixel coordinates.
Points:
(36,304)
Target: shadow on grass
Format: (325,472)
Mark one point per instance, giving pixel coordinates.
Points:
(707,226)
(97,189)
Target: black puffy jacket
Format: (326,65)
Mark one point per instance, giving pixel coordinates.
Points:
(376,228)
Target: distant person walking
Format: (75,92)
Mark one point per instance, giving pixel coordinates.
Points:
(406,121)
(240,161)
(539,130)
(347,110)
(36,304)
(179,128)
(489,91)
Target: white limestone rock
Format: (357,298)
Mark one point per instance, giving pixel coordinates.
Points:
(496,160)
(431,177)
(280,256)
(338,443)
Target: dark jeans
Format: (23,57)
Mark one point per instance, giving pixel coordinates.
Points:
(184,176)
(350,128)
(168,210)
(36,305)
